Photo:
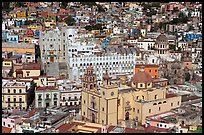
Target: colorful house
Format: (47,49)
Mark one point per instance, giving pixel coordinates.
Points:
(151,69)
(27,39)
(21,14)
(48,96)
(30,33)
(12,38)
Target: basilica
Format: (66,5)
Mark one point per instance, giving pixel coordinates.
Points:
(116,103)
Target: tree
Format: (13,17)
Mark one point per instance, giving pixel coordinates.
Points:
(20,4)
(64,5)
(187,76)
(172,47)
(70,21)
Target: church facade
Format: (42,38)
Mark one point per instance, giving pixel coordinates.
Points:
(115,103)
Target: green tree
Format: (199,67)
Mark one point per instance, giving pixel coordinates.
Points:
(20,4)
(64,5)
(70,21)
(172,47)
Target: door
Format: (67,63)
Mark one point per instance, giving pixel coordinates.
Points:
(51,59)
(127,116)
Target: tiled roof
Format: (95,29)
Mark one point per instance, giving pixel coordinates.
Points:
(6,130)
(46,88)
(132,130)
(170,95)
(31,66)
(146,65)
(110,128)
(151,129)
(142,77)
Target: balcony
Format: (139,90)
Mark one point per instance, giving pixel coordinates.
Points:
(15,102)
(47,99)
(55,98)
(93,109)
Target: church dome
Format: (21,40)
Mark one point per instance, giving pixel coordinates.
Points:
(142,77)
(161,38)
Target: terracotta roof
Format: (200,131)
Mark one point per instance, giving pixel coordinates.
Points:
(170,95)
(142,77)
(151,129)
(46,88)
(31,66)
(65,127)
(19,71)
(132,130)
(146,65)
(110,128)
(6,130)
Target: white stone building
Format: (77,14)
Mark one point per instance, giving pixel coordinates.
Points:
(116,64)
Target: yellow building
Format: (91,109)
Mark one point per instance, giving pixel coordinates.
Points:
(117,103)
(7,64)
(19,48)
(21,14)
(28,70)
(14,95)
(27,39)
(50,24)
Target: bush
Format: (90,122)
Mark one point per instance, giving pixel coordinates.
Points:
(70,21)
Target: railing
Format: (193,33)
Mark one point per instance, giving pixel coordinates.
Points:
(14,101)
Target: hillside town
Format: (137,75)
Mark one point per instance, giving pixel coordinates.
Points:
(101,67)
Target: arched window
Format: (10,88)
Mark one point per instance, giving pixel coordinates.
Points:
(155,104)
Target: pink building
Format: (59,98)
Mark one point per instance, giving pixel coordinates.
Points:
(11,121)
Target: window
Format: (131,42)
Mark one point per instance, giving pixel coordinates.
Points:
(138,111)
(137,97)
(103,109)
(150,70)
(164,125)
(148,84)
(155,97)
(164,102)
(133,109)
(4,124)
(20,99)
(84,113)
(14,99)
(159,108)
(155,70)
(55,103)
(47,96)
(171,104)
(142,97)
(141,85)
(178,103)
(63,98)
(8,90)
(149,110)
(84,101)
(20,91)
(155,104)
(160,125)
(14,91)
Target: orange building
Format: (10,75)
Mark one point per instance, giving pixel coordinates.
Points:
(151,69)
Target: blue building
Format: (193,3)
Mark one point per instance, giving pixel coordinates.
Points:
(37,33)
(193,36)
(12,38)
